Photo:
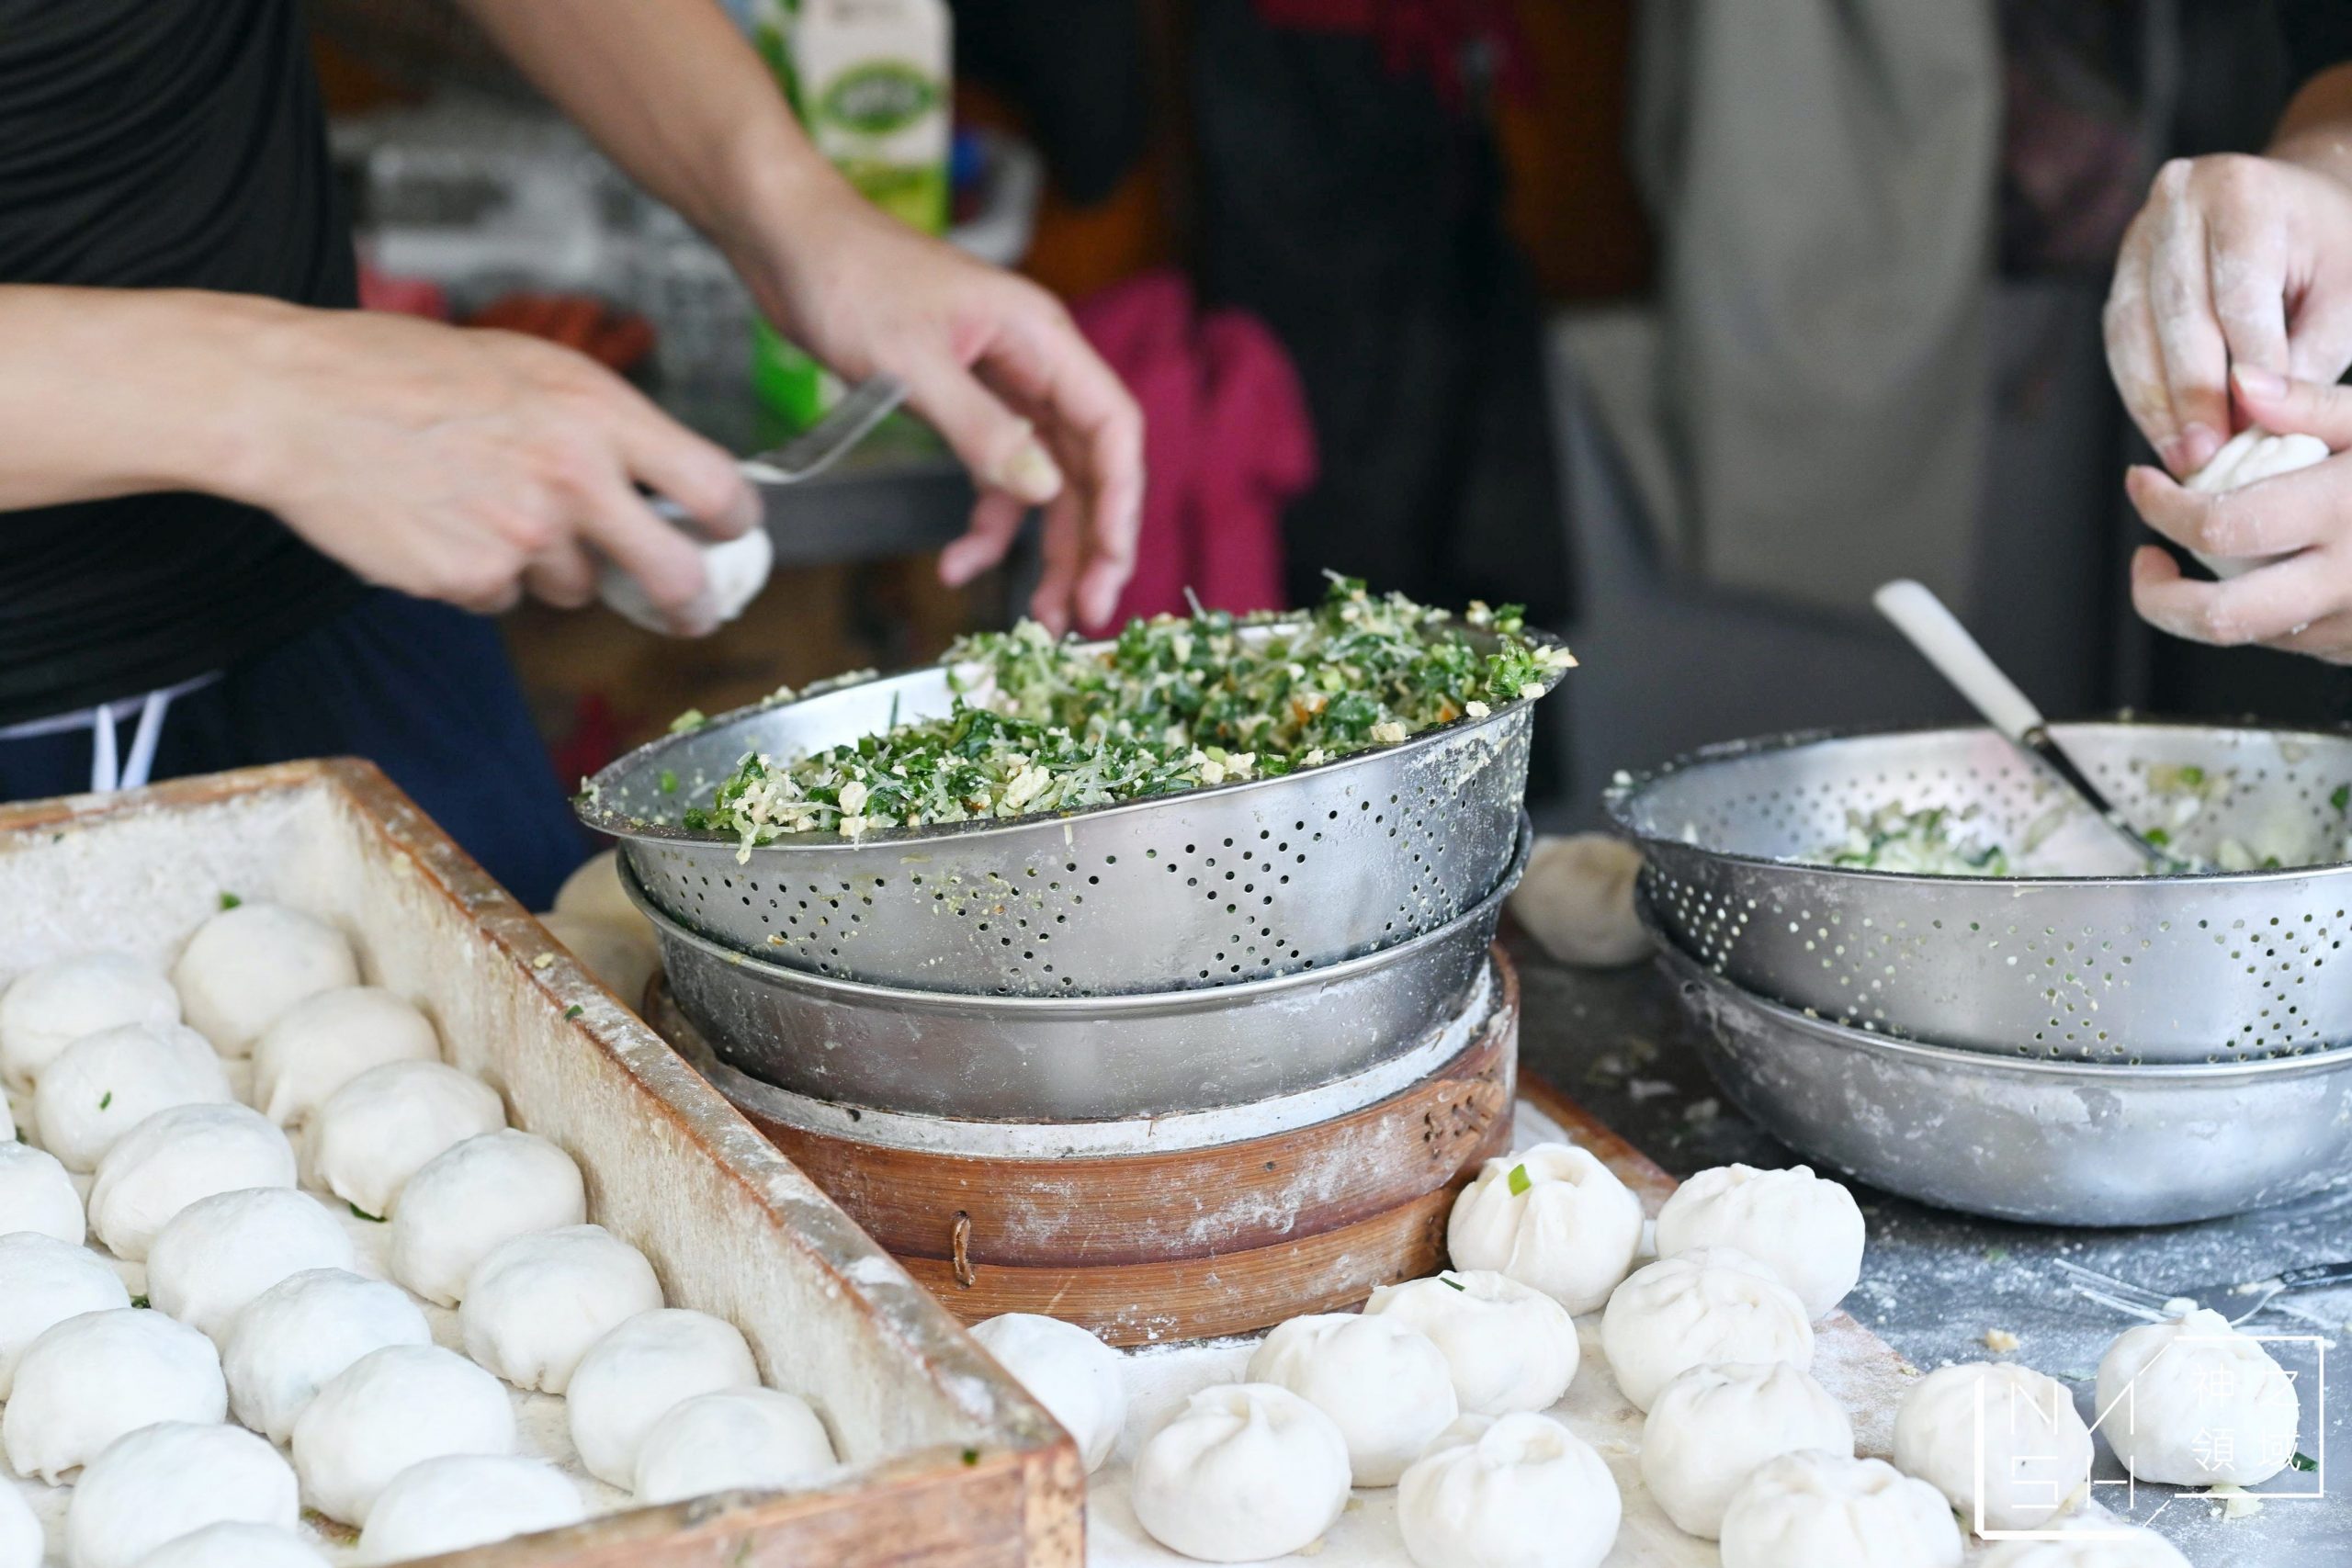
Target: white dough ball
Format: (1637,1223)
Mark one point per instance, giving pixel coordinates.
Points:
(2195,1402)
(1827,1510)
(297,1336)
(1239,1472)
(1712,1303)
(37,1195)
(1710,1427)
(2035,1450)
(1080,1380)
(2110,1545)
(742,1439)
(623,957)
(536,1302)
(92,1378)
(462,1500)
(470,1196)
(43,1282)
(21,1542)
(1509,1346)
(391,1409)
(1517,1490)
(387,1123)
(323,1042)
(1382,1384)
(734,570)
(1576,900)
(220,1253)
(642,1370)
(1554,1218)
(245,966)
(104,1084)
(50,1007)
(236,1546)
(1805,1228)
(160,1482)
(180,1157)
(2253,453)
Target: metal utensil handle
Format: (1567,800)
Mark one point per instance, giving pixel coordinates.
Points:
(2315,1274)
(825,442)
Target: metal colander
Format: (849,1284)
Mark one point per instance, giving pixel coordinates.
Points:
(1210,887)
(2110,967)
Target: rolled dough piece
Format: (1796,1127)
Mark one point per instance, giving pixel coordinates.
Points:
(389,1122)
(1507,1492)
(218,1255)
(1576,900)
(387,1411)
(180,1157)
(1383,1383)
(48,1007)
(1553,1217)
(623,957)
(103,1085)
(2128,1546)
(1240,1473)
(21,1542)
(472,1196)
(236,1546)
(1827,1510)
(462,1500)
(1509,1346)
(2252,454)
(593,893)
(1711,1427)
(1080,1380)
(323,1042)
(297,1336)
(2169,1389)
(741,1439)
(158,1483)
(1711,1303)
(43,1282)
(536,1302)
(734,570)
(1805,1228)
(245,966)
(642,1370)
(2036,1452)
(37,1195)
(92,1378)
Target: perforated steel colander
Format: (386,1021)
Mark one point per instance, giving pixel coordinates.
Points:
(2096,968)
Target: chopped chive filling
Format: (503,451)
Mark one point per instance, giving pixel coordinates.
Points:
(1519,1181)
(230,901)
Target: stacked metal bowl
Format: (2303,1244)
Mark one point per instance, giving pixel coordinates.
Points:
(2080,1049)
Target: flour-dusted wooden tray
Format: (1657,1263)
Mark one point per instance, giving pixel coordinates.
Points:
(951,1462)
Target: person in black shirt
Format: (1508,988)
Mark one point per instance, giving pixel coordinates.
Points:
(241,521)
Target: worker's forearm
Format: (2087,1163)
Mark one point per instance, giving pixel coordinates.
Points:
(2317,130)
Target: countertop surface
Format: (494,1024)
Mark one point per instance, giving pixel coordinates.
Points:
(1934,1284)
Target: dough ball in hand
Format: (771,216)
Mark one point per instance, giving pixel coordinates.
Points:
(43,1282)
(387,1411)
(48,1007)
(245,966)
(1080,1380)
(21,1542)
(462,1500)
(389,1122)
(1710,1427)
(1554,1218)
(623,956)
(2173,1389)
(220,1253)
(294,1338)
(1829,1510)
(92,1378)
(180,1157)
(104,1084)
(734,570)
(472,1196)
(1502,1492)
(536,1302)
(1382,1384)
(1509,1346)
(37,1195)
(1712,1303)
(741,1439)
(162,1482)
(236,1546)
(1807,1229)
(642,1370)
(2036,1458)
(325,1040)
(1239,1472)
(1577,901)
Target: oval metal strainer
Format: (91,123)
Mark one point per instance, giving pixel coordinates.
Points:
(2122,968)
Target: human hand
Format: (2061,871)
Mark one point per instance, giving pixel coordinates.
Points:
(474,465)
(2235,260)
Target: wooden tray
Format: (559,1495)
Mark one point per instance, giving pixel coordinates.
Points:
(951,1462)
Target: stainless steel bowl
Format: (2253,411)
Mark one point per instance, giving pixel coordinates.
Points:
(2096,968)
(1075,1058)
(2053,1143)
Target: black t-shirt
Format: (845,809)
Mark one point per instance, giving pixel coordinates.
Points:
(158,144)
(2318,34)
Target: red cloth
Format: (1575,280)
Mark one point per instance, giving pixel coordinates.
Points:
(1227,443)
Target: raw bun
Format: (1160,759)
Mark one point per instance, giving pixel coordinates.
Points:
(323,1042)
(246,966)
(2253,453)
(297,1336)
(387,1123)
(391,1409)
(180,1157)
(1514,1491)
(1712,1303)
(2037,1452)
(1821,1510)
(37,1195)
(43,1282)
(536,1302)
(1805,1228)
(236,1546)
(1576,900)
(734,570)
(162,1482)
(642,1370)
(472,1196)
(462,1500)
(21,1542)
(1571,1233)
(2124,1546)
(1080,1380)
(743,1440)
(103,1085)
(623,957)
(92,1378)
(1382,1384)
(218,1255)
(2165,1388)
(1509,1346)
(50,1007)
(1240,1473)
(1710,1427)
